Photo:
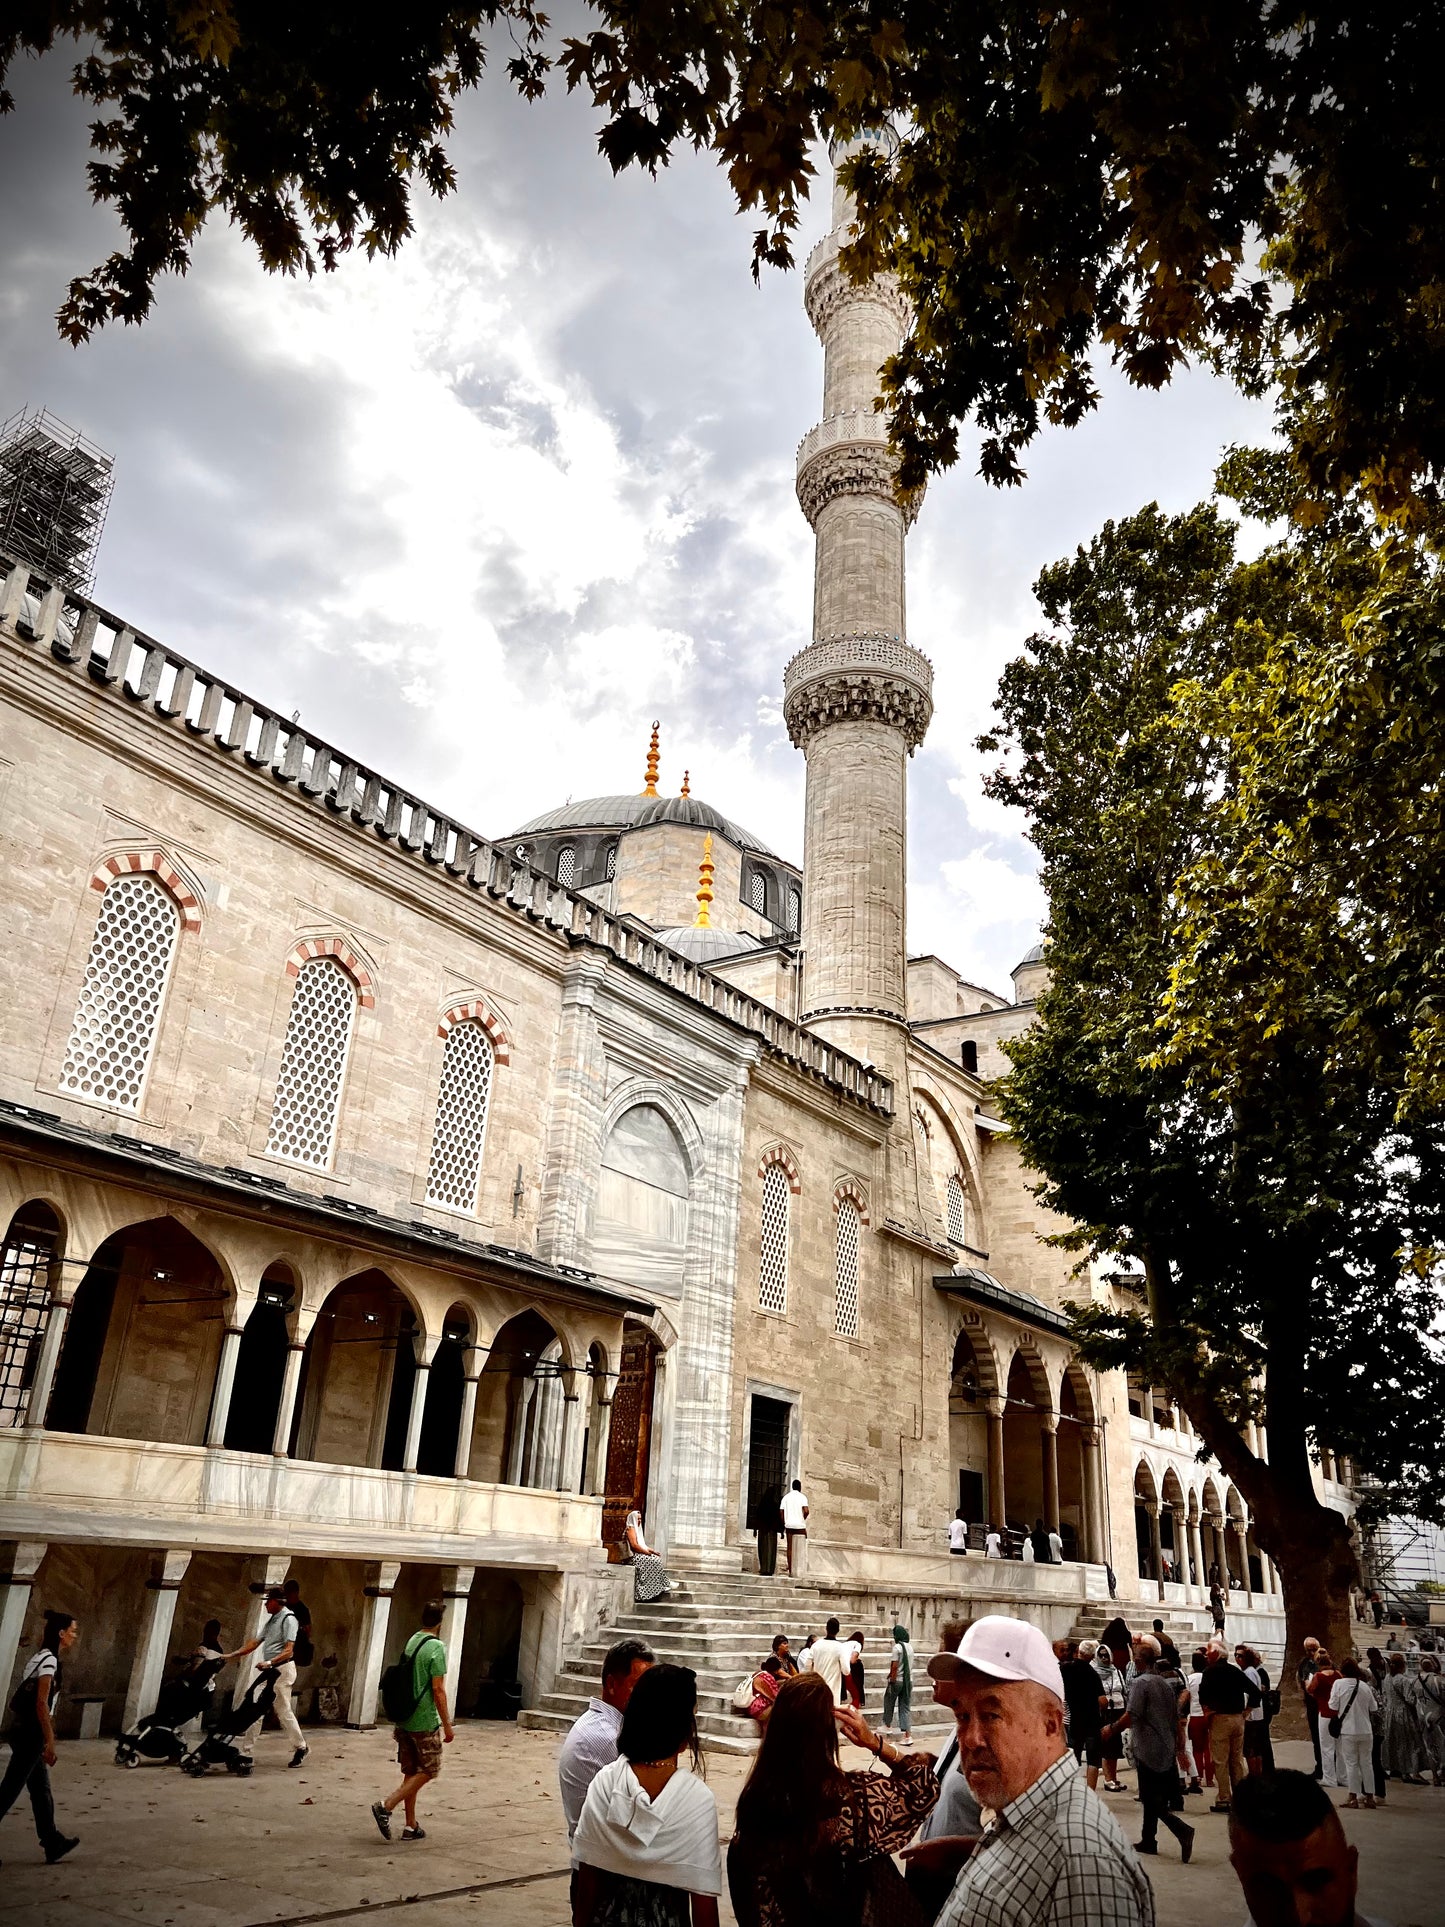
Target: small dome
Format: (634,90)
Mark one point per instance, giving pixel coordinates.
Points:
(1036,955)
(706,946)
(635,813)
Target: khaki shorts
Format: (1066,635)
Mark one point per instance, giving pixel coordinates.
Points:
(419,1752)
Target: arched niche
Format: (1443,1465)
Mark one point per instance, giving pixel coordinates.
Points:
(30,1261)
(1171,1527)
(971,1383)
(1076,1415)
(597,1391)
(639,1224)
(1026,1405)
(356,1378)
(261,1363)
(1146,1494)
(445,1395)
(144,1338)
(517,1434)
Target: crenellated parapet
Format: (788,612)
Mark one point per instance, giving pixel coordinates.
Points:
(874,678)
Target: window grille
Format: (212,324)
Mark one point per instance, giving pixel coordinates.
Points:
(795,911)
(567,868)
(757,893)
(118,1012)
(773,1273)
(611,871)
(845,1272)
(461,1126)
(313,1064)
(956,1220)
(25,1262)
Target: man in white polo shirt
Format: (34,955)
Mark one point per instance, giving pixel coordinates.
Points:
(795,1526)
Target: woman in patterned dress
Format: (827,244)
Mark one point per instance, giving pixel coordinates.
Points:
(804,1826)
(649,1575)
(1404,1753)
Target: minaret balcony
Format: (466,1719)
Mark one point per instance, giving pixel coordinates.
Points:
(864,676)
(848,454)
(828,289)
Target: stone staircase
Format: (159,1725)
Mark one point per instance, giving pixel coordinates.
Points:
(1187,1629)
(722,1626)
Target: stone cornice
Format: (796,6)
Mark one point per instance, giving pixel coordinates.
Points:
(850,468)
(873,678)
(828,290)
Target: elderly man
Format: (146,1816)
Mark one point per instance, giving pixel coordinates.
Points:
(1051,1854)
(591,1742)
(1289,1850)
(1225,1695)
(1156,1702)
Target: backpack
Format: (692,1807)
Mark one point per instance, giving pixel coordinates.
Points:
(302,1649)
(743,1694)
(399,1695)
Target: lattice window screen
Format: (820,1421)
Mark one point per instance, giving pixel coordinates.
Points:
(845,1274)
(773,1274)
(611,861)
(461,1126)
(313,1064)
(567,868)
(795,912)
(757,893)
(25,1262)
(956,1220)
(119,1008)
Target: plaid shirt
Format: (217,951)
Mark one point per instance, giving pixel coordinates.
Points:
(1055,1857)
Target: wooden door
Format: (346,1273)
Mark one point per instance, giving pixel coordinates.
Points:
(629,1440)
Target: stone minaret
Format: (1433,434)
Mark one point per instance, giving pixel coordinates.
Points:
(858,699)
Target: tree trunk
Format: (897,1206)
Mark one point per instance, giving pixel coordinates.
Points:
(1317,1568)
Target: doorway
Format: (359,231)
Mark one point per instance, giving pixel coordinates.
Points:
(767,1461)
(630,1439)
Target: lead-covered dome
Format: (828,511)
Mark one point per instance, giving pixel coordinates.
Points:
(635,813)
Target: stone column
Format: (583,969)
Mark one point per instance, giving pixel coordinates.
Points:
(1241,1539)
(1049,1441)
(1156,1549)
(415,1416)
(369,1659)
(467,1423)
(148,1668)
(1181,1548)
(1196,1553)
(290,1386)
(519,1391)
(597,1471)
(15,1584)
(221,1396)
(456,1589)
(1089,1465)
(265,1573)
(568,1475)
(43,1383)
(996,1494)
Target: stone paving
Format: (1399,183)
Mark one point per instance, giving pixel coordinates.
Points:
(162,1850)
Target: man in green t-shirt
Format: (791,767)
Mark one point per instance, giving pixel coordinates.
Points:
(420,1738)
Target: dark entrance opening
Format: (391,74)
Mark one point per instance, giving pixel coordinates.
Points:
(767,1475)
(970,1497)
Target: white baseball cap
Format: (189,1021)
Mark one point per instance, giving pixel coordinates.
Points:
(1005,1649)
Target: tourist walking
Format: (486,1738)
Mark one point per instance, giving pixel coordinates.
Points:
(645,1853)
(1055,1854)
(1402,1746)
(1155,1706)
(1290,1855)
(591,1742)
(1112,1687)
(855,1679)
(649,1575)
(1225,1694)
(1321,1685)
(32,1734)
(898,1693)
(958,1533)
(1351,1710)
(1304,1673)
(993,1543)
(277,1641)
(1197,1727)
(795,1527)
(1216,1607)
(806,1829)
(1056,1546)
(1084,1698)
(421,1734)
(1430,1688)
(769,1522)
(832,1659)
(1258,1746)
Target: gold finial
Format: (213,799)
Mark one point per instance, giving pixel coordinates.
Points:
(702,921)
(652,762)
(685,775)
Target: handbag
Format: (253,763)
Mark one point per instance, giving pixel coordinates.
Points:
(1337,1720)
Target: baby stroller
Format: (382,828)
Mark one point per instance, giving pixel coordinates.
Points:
(157,1736)
(219,1748)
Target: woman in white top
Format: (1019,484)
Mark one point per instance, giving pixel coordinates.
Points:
(32,1736)
(1353,1703)
(646,1852)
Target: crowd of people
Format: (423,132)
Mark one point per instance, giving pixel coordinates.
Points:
(1004,1825)
(1371,1720)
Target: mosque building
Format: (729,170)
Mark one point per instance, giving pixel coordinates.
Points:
(401,1208)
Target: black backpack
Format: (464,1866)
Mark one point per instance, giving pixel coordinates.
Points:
(399,1695)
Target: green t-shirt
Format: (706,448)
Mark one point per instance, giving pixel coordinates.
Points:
(429,1661)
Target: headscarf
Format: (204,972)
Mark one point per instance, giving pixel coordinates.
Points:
(905,1675)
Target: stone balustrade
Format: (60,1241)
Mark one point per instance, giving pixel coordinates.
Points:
(79,635)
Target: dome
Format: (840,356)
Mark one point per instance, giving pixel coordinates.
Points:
(635,813)
(1036,955)
(705,946)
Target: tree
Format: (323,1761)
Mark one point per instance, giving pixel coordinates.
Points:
(1068,183)
(1220,1085)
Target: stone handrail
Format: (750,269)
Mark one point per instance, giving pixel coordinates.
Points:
(853,425)
(78,634)
(885,655)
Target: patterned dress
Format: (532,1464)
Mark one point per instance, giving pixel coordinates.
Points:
(1400,1748)
(881,1813)
(649,1575)
(1430,1702)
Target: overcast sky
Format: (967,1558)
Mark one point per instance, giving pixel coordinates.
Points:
(484,511)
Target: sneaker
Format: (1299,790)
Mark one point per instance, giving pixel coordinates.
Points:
(298,1756)
(58,1849)
(1186,1846)
(382,1819)
(413,1833)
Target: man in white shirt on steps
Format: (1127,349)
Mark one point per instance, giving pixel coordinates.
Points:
(795,1526)
(831,1659)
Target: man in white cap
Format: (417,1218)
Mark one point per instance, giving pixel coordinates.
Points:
(1051,1855)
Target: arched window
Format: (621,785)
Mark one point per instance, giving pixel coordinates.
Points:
(611,869)
(795,911)
(845,1270)
(773,1271)
(118,1012)
(461,1127)
(567,867)
(956,1220)
(757,893)
(313,1064)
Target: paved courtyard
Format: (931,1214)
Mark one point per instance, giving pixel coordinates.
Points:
(300,1847)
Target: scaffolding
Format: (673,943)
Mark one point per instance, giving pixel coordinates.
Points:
(54,493)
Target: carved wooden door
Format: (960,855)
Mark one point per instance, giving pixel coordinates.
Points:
(629,1440)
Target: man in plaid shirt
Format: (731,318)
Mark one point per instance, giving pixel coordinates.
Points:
(1051,1855)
